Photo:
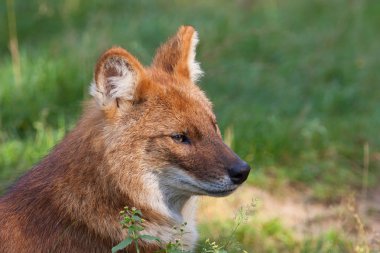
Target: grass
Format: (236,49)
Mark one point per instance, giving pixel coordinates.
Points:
(273,236)
(296,82)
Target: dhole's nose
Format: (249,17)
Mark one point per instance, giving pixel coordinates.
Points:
(239,172)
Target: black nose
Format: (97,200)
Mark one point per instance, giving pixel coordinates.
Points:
(239,172)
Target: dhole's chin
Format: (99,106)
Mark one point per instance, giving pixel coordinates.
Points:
(221,193)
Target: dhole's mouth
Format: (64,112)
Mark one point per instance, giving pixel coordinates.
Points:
(183,182)
(215,189)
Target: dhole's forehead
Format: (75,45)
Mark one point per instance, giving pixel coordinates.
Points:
(186,101)
(180,94)
(179,110)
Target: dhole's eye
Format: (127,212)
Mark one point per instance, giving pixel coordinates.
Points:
(182,138)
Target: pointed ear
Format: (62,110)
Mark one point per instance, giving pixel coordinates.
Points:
(177,55)
(117,74)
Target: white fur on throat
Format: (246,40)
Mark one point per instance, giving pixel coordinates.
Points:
(173,204)
(167,200)
(122,85)
(194,67)
(172,192)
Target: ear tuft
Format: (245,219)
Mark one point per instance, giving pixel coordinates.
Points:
(177,55)
(116,76)
(194,67)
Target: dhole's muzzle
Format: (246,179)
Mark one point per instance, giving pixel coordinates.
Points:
(210,167)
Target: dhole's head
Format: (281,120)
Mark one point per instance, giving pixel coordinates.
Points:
(159,124)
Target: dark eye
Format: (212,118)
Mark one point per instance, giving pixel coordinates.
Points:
(182,138)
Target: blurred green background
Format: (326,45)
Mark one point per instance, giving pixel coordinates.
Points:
(295,86)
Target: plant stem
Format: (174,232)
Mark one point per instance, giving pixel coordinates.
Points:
(13,42)
(137,246)
(237,224)
(365,170)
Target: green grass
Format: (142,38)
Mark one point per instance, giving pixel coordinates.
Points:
(272,236)
(297,81)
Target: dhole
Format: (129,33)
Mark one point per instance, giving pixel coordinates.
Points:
(148,139)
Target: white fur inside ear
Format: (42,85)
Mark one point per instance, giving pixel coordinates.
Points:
(194,67)
(122,85)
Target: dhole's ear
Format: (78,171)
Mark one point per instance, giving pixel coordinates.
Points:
(117,74)
(177,55)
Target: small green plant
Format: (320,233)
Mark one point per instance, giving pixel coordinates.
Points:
(132,221)
(241,217)
(177,245)
(212,247)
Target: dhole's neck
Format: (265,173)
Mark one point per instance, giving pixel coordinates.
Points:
(80,186)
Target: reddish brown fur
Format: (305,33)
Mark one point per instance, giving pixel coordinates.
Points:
(70,201)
